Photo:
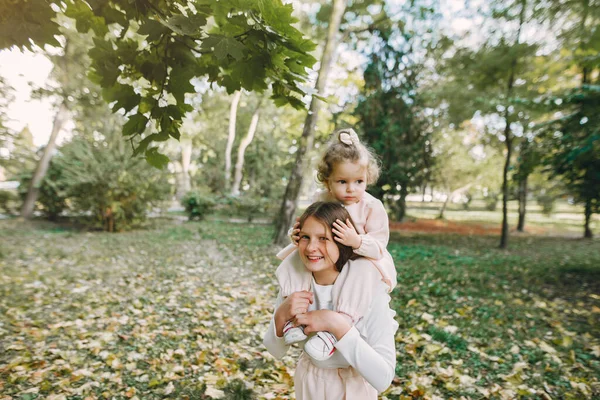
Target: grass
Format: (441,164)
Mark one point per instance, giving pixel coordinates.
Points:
(178,311)
(536,304)
(566,219)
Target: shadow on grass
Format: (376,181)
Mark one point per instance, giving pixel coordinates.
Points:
(576,278)
(554,266)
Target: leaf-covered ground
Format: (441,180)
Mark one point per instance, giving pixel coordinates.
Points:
(178,311)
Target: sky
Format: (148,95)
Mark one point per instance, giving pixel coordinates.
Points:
(18,69)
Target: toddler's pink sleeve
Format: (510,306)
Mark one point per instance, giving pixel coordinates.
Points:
(377,232)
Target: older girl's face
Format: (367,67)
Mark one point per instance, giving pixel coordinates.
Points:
(318,251)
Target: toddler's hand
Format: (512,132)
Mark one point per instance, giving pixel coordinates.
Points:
(295,232)
(346,234)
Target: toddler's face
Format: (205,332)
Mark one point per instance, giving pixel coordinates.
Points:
(348,182)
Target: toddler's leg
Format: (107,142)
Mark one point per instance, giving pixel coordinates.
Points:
(293,334)
(353,296)
(320,346)
(292,276)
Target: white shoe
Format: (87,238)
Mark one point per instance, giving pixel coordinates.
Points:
(293,334)
(321,346)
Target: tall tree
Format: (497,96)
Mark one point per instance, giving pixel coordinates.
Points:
(290,199)
(391,115)
(575,157)
(42,166)
(508,120)
(574,138)
(495,75)
(231,136)
(69,64)
(185,183)
(528,160)
(239,164)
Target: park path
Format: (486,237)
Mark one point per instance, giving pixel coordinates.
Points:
(141,314)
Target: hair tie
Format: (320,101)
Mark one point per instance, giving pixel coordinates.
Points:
(348,137)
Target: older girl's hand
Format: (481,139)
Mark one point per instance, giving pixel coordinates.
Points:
(295,304)
(323,320)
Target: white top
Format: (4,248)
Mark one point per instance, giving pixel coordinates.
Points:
(323,296)
(368,347)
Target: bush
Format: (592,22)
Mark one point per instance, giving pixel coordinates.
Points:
(198,204)
(9,202)
(250,206)
(468,199)
(52,193)
(102,179)
(491,202)
(547,203)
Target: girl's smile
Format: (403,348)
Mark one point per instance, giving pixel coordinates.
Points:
(318,251)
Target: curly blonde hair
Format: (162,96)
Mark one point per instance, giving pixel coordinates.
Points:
(345,146)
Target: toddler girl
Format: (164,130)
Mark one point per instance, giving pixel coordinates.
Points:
(345,170)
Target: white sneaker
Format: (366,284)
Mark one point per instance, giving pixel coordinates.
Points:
(293,334)
(320,346)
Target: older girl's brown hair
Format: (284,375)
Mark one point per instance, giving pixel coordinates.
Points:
(345,146)
(327,213)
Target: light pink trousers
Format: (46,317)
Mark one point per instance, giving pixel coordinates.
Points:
(314,383)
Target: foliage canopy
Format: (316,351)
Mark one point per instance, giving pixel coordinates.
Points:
(145,54)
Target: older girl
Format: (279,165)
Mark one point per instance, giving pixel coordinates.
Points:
(365,360)
(345,170)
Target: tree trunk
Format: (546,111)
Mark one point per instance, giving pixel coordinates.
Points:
(401,205)
(588,216)
(184,184)
(239,165)
(292,191)
(42,167)
(109,220)
(522,203)
(585,78)
(231,137)
(423,195)
(507,135)
(460,190)
(443,209)
(504,235)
